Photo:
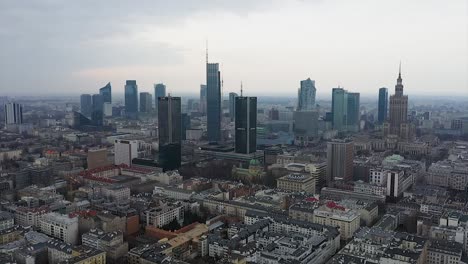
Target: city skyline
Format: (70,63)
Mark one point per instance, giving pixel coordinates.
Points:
(154,52)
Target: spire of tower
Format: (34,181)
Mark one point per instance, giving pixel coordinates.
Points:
(399,71)
(206,50)
(241,89)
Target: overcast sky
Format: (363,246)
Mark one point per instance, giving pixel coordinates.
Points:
(72,47)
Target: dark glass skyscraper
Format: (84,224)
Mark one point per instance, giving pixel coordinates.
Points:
(246,124)
(131,99)
(202,105)
(232,105)
(106,93)
(97,114)
(353,113)
(159,91)
(339,108)
(13,113)
(306,95)
(213,101)
(169,125)
(146,102)
(383,105)
(86,105)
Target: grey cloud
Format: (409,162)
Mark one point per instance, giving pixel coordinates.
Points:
(44,41)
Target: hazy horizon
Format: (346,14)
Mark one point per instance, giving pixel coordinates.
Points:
(268,45)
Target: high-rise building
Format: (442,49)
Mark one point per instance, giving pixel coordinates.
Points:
(339,109)
(398,114)
(306,95)
(305,127)
(106,93)
(146,102)
(213,101)
(127,150)
(86,103)
(246,124)
(131,99)
(340,155)
(383,105)
(159,91)
(13,113)
(232,105)
(169,125)
(202,105)
(97,114)
(353,112)
(185,125)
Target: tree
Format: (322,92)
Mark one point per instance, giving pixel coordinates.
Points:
(173,225)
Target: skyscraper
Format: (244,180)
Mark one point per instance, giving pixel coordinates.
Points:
(246,124)
(383,105)
(131,99)
(306,95)
(353,112)
(398,113)
(97,114)
(106,93)
(13,113)
(146,102)
(339,109)
(305,127)
(159,91)
(86,103)
(340,155)
(202,104)
(232,105)
(169,125)
(213,101)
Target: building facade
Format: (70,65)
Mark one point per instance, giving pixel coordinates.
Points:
(213,101)
(131,99)
(86,105)
(382,105)
(340,156)
(13,113)
(306,95)
(106,93)
(170,132)
(246,124)
(146,102)
(159,91)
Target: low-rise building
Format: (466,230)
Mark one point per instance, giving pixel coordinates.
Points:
(332,214)
(110,242)
(60,226)
(297,182)
(164,214)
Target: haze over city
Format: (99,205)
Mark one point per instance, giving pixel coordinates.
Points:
(233,132)
(59,48)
